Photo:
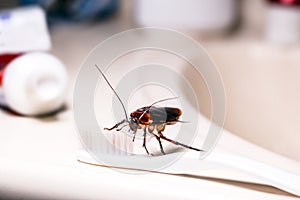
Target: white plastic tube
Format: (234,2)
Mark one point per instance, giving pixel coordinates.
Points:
(34,84)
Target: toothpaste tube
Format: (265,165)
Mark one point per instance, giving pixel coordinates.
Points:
(32,83)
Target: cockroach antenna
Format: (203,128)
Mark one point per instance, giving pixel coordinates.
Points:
(112,90)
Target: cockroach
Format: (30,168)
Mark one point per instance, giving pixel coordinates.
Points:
(149,118)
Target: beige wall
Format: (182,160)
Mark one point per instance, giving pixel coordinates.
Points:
(263,93)
(262,84)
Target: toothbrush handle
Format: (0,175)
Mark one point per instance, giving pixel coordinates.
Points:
(276,177)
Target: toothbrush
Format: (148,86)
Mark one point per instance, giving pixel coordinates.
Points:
(190,163)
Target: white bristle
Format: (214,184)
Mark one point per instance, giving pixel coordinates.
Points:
(121,144)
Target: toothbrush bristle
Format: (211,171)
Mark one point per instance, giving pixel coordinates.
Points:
(121,144)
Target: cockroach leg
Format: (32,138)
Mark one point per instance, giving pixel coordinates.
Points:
(151,128)
(118,129)
(144,141)
(177,143)
(160,144)
(134,133)
(160,127)
(116,125)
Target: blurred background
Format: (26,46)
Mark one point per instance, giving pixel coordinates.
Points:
(255,45)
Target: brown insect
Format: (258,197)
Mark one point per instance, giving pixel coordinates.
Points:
(149,118)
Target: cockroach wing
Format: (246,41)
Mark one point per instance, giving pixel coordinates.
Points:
(160,115)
